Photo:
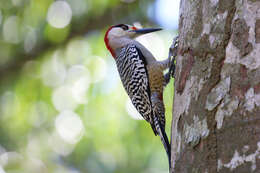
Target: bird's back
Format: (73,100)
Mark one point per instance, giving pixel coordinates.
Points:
(143,82)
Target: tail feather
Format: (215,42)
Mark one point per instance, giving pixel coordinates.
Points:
(161,132)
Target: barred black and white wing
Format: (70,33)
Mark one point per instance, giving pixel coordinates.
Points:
(132,69)
(134,76)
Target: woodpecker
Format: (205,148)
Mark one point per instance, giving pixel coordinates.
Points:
(142,75)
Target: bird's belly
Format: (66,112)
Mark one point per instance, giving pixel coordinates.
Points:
(156,78)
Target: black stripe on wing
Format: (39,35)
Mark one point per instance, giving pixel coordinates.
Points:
(132,69)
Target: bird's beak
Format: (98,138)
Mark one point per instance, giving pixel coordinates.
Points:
(145,30)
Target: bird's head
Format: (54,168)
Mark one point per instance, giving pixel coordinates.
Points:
(118,35)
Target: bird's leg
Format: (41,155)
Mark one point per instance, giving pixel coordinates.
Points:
(171,60)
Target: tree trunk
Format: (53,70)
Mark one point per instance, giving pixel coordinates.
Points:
(216,111)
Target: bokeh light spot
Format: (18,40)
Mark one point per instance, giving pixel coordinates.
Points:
(53,71)
(99,69)
(132,111)
(69,126)
(59,146)
(30,40)
(62,99)
(75,72)
(77,52)
(10,30)
(78,79)
(39,113)
(33,164)
(111,79)
(59,14)
(79,7)
(17,2)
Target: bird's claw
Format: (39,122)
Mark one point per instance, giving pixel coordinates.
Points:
(172,55)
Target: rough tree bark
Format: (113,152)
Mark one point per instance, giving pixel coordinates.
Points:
(216,111)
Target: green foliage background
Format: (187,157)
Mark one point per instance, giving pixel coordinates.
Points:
(62,106)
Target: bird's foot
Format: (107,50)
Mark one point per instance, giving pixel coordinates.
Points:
(172,55)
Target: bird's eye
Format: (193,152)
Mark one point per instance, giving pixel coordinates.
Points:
(124,27)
